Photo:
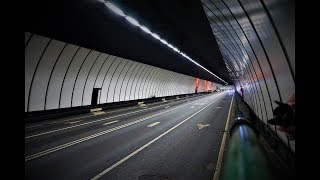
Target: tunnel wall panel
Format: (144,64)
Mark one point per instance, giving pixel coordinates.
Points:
(91,78)
(137,80)
(107,79)
(150,83)
(120,81)
(115,79)
(70,78)
(81,77)
(42,75)
(57,77)
(62,75)
(102,74)
(129,80)
(33,52)
(27,37)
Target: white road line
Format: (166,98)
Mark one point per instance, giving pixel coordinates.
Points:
(201,126)
(90,122)
(218,107)
(166,107)
(34,126)
(110,122)
(153,124)
(55,122)
(96,113)
(95,109)
(42,153)
(200,104)
(192,107)
(146,145)
(135,107)
(156,103)
(72,122)
(220,156)
(51,150)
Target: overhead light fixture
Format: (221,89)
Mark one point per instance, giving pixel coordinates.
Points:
(163,41)
(114,8)
(175,49)
(132,21)
(155,36)
(170,46)
(182,54)
(145,29)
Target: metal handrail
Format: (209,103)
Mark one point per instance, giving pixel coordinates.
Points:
(245,159)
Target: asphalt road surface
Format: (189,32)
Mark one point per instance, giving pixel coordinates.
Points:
(176,139)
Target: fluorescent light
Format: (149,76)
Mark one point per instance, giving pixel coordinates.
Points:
(132,21)
(145,29)
(155,36)
(114,8)
(170,46)
(182,53)
(201,66)
(163,41)
(175,49)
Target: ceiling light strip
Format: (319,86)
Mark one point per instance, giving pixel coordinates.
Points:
(134,22)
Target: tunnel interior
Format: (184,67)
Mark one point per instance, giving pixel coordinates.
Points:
(82,53)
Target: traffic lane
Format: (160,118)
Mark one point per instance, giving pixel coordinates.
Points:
(34,126)
(185,153)
(47,122)
(80,156)
(47,141)
(57,124)
(36,146)
(44,142)
(52,122)
(93,118)
(85,158)
(62,120)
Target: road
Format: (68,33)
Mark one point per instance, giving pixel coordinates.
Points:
(176,139)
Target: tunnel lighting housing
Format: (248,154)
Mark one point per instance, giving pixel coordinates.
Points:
(132,21)
(175,49)
(145,29)
(155,36)
(182,54)
(164,42)
(170,46)
(114,9)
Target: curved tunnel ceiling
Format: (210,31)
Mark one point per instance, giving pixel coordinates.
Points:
(90,24)
(257,41)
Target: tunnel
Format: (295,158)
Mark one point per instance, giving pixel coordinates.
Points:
(171,89)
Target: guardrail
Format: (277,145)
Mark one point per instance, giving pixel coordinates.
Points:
(245,159)
(281,148)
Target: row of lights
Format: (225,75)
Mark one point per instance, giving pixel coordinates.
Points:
(145,29)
